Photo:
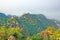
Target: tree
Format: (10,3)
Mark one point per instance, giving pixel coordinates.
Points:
(15,32)
(37,37)
(57,34)
(47,33)
(28,38)
(2,33)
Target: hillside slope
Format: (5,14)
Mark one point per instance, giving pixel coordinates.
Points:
(34,23)
(31,23)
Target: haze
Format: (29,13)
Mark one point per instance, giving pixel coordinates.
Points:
(50,8)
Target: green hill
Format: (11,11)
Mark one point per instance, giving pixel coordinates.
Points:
(34,23)
(31,23)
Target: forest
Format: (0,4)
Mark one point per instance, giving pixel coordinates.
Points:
(28,27)
(15,34)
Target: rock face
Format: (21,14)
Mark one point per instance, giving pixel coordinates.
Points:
(11,38)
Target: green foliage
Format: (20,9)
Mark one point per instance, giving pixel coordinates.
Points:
(5,33)
(43,28)
(37,37)
(48,34)
(2,32)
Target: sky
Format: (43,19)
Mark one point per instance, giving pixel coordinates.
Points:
(50,8)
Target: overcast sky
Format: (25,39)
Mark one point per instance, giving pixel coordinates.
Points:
(50,8)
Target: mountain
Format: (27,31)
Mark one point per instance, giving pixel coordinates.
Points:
(2,15)
(57,22)
(34,23)
(31,23)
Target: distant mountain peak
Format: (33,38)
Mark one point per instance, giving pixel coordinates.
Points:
(2,15)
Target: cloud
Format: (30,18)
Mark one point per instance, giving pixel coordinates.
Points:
(50,8)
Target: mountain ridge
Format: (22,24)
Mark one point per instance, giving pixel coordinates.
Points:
(2,15)
(31,23)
